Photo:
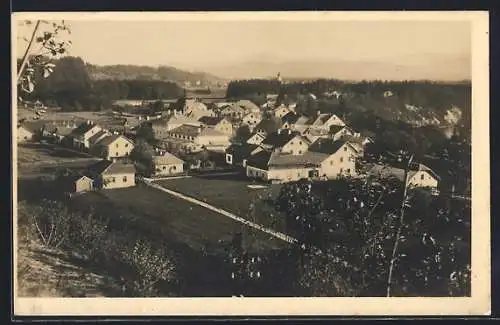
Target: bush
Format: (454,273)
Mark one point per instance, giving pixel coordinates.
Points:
(142,267)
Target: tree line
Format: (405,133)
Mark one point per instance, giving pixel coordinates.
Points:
(71,87)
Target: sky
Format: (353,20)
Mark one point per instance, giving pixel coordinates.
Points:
(201,44)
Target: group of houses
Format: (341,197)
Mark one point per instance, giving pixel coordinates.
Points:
(283,145)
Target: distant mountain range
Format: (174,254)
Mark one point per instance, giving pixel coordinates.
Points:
(165,73)
(415,68)
(441,68)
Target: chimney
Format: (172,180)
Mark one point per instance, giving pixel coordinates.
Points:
(199,130)
(279,131)
(89,122)
(318,112)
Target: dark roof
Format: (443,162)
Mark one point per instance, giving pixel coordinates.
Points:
(308,159)
(327,146)
(96,136)
(279,138)
(336,128)
(210,120)
(290,117)
(241,151)
(82,128)
(110,167)
(268,125)
(259,160)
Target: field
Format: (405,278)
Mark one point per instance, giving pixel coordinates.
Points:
(232,193)
(37,159)
(103,118)
(197,238)
(177,221)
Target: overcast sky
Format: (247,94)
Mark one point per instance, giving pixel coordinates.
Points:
(195,44)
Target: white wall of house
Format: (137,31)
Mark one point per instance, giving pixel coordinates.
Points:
(119,148)
(423,179)
(84,139)
(168,169)
(225,127)
(212,140)
(281,111)
(23,135)
(119,180)
(289,174)
(254,172)
(334,120)
(252,119)
(343,162)
(296,146)
(256,139)
(341,133)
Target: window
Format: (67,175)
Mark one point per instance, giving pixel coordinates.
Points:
(116,145)
(341,159)
(164,168)
(124,179)
(116,153)
(422,176)
(341,170)
(345,148)
(291,143)
(113,179)
(126,145)
(331,162)
(292,152)
(348,170)
(300,152)
(174,168)
(300,142)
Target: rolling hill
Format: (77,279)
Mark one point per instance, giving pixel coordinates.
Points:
(164,73)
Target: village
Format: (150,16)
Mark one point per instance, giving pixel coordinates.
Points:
(278,145)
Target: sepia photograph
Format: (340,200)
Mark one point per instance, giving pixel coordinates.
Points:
(237,163)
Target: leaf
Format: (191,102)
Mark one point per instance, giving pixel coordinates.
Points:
(46,73)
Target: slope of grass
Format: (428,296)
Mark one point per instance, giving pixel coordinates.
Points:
(233,194)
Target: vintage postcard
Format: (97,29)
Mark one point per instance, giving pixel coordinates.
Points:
(244,163)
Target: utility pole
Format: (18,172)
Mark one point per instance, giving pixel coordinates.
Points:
(401,224)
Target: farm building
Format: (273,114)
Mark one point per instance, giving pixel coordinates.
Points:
(166,164)
(109,175)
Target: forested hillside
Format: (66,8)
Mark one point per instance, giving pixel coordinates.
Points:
(413,102)
(163,73)
(71,87)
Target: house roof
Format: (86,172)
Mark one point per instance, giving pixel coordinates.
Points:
(268,125)
(112,138)
(247,105)
(290,117)
(192,131)
(279,138)
(308,159)
(210,120)
(327,146)
(241,150)
(334,129)
(83,128)
(96,136)
(386,171)
(304,120)
(167,159)
(109,167)
(322,118)
(259,160)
